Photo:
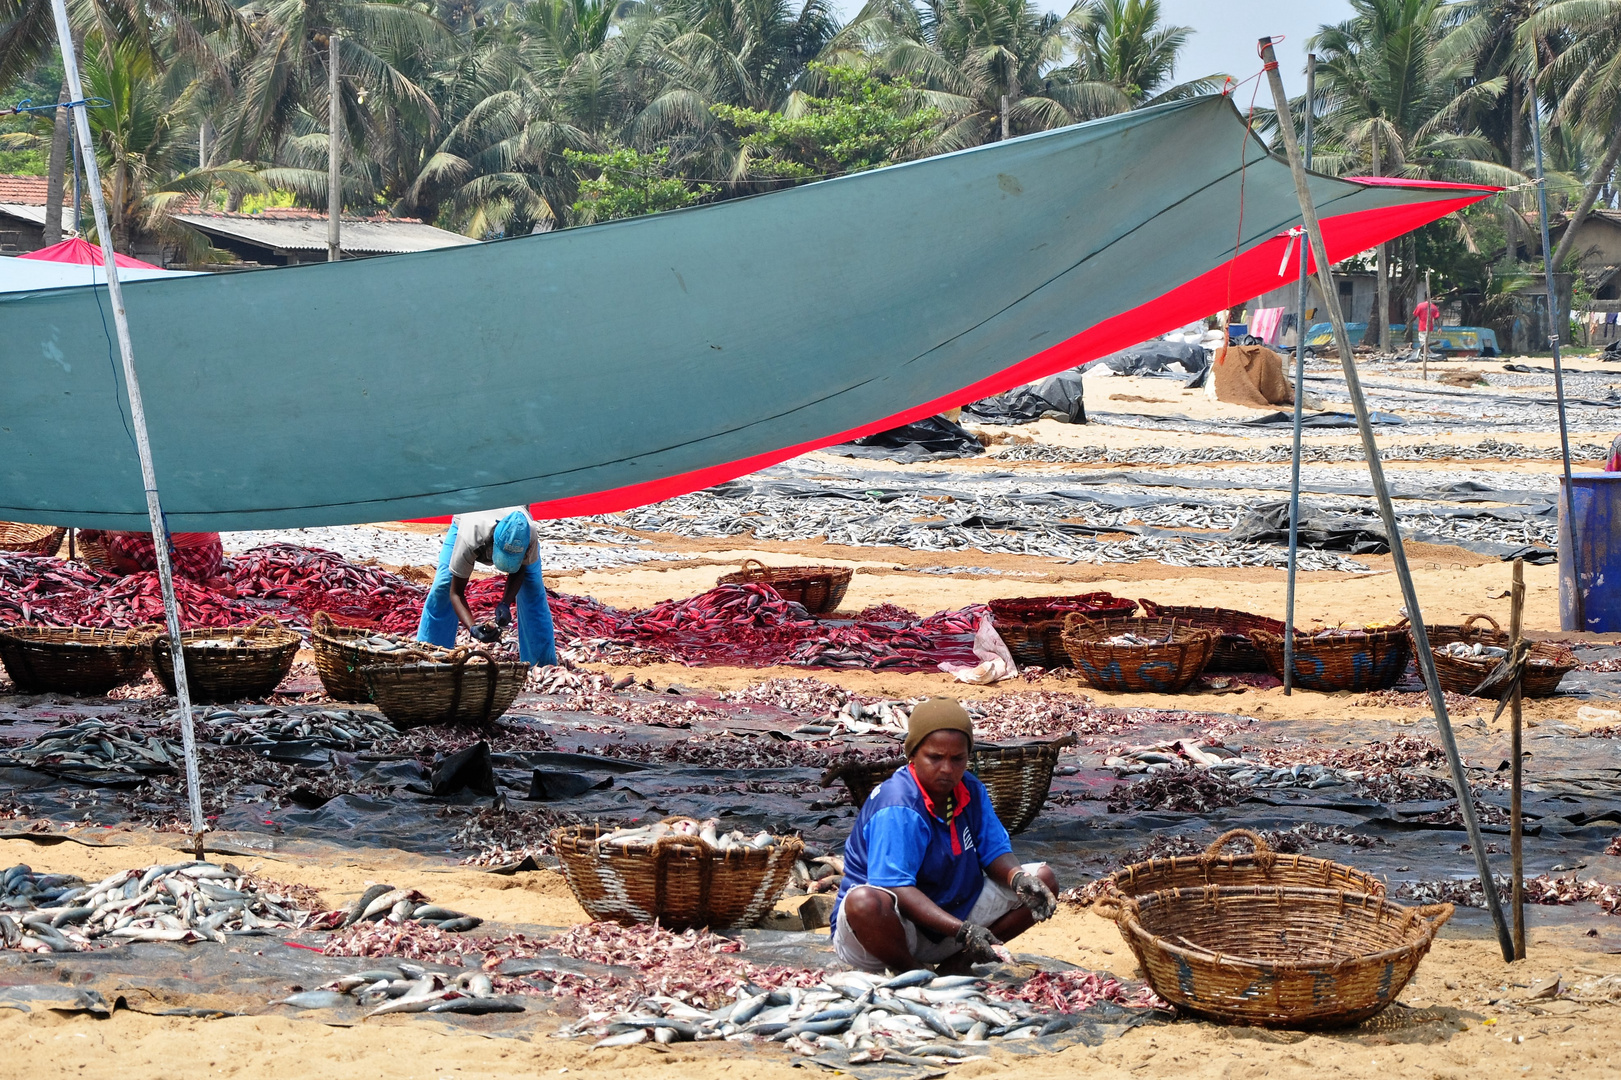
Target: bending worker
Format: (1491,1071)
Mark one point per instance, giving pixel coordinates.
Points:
(507,540)
(929,873)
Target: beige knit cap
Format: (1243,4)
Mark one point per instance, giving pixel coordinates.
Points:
(937,714)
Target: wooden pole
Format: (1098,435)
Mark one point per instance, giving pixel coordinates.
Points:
(137,412)
(1424,335)
(1300,406)
(1387,509)
(1516,826)
(334,143)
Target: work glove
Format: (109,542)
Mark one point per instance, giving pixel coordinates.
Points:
(1034,894)
(977,943)
(503,614)
(487,632)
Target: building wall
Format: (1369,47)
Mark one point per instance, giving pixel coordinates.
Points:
(18,237)
(1598,242)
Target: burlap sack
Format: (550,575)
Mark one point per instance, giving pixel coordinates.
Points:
(1251,375)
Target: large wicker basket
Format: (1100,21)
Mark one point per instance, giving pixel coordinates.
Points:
(31,539)
(682,881)
(1017,777)
(1166,667)
(1359,661)
(1032,627)
(1234,649)
(473,686)
(1259,866)
(229,672)
(820,589)
(342,651)
(72,660)
(1278,957)
(1546,663)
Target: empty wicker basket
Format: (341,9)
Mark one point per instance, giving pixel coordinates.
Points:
(1163,667)
(1359,661)
(1258,866)
(218,669)
(820,589)
(72,660)
(1546,662)
(1032,627)
(342,651)
(31,539)
(1017,777)
(681,881)
(1278,957)
(474,686)
(1234,649)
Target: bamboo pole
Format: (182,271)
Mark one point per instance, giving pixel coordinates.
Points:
(143,448)
(1387,510)
(1516,824)
(334,145)
(1300,406)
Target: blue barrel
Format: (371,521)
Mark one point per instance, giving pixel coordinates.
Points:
(1590,552)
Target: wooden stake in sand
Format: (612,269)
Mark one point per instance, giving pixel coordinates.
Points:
(1387,510)
(1516,827)
(137,412)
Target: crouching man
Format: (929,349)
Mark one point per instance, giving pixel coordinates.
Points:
(929,873)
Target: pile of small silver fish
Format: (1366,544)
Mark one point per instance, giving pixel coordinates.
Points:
(914,1018)
(1135,639)
(407,988)
(190,901)
(1486,449)
(857,718)
(707,831)
(385,903)
(1179,754)
(99,745)
(255,727)
(1465,650)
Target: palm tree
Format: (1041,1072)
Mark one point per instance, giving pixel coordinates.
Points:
(1393,102)
(1121,44)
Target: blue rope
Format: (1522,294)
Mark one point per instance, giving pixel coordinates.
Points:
(26,105)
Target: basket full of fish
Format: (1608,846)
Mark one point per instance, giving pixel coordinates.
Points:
(1032,627)
(341,652)
(1465,655)
(681,872)
(469,685)
(230,664)
(1161,656)
(1234,649)
(1334,659)
(71,659)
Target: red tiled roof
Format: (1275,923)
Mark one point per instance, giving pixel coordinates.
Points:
(293,213)
(23,190)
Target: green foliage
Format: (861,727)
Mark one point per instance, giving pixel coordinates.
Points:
(629,184)
(861,122)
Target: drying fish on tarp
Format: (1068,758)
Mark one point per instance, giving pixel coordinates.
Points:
(179,902)
(264,727)
(385,903)
(98,746)
(408,988)
(706,830)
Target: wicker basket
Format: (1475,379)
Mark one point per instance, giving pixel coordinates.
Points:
(1164,668)
(1032,627)
(1359,661)
(341,653)
(72,660)
(1260,866)
(1278,957)
(216,674)
(1234,649)
(427,691)
(1547,664)
(31,539)
(1017,777)
(820,589)
(681,881)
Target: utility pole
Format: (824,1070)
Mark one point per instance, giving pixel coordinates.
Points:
(334,142)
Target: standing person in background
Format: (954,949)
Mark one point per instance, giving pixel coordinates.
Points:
(1426,317)
(507,540)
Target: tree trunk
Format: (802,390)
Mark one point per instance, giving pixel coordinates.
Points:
(56,165)
(1595,183)
(1516,154)
(1381,301)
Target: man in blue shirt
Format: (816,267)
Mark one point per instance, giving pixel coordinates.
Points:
(929,873)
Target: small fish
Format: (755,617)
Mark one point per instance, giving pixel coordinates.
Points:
(915,977)
(315,999)
(624,1038)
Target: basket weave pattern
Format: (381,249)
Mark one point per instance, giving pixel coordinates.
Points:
(819,589)
(215,675)
(71,660)
(1278,957)
(1234,649)
(459,691)
(1166,667)
(1032,627)
(31,539)
(1548,663)
(1360,661)
(681,881)
(340,656)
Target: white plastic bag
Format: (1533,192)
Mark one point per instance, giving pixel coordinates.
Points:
(995,662)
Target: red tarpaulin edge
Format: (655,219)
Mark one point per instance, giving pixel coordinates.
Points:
(81,252)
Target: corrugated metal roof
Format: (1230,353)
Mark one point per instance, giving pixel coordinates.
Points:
(381,236)
(35,214)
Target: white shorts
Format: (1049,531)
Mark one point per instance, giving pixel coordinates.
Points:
(994,902)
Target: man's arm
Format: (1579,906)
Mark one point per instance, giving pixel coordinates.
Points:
(458,601)
(915,905)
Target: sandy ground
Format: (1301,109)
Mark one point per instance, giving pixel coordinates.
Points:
(1445,1025)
